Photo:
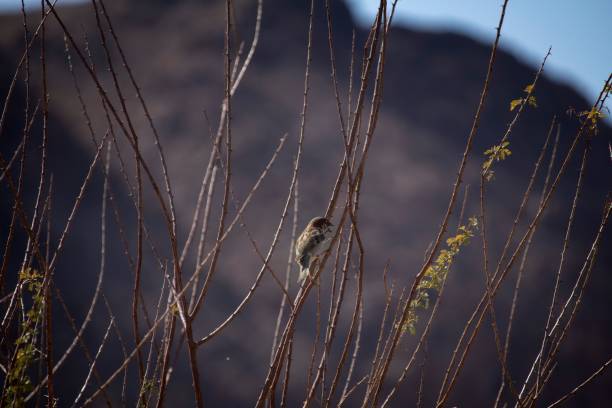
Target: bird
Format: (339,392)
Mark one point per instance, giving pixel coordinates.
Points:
(311,243)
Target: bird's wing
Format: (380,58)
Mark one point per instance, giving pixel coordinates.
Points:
(300,246)
(316,243)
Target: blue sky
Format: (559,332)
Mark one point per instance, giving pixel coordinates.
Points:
(579,32)
(11,5)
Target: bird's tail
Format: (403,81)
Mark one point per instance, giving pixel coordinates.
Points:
(304,273)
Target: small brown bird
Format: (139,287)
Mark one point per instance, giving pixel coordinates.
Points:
(311,243)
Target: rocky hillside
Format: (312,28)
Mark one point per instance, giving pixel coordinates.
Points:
(432,86)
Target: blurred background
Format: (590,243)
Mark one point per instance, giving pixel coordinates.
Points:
(578,35)
(436,64)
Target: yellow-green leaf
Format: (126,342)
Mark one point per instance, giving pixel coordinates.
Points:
(532,101)
(514,103)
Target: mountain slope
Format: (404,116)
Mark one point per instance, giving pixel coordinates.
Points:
(432,86)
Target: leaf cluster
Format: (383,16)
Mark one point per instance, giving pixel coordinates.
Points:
(19,383)
(592,118)
(496,153)
(528,99)
(436,273)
